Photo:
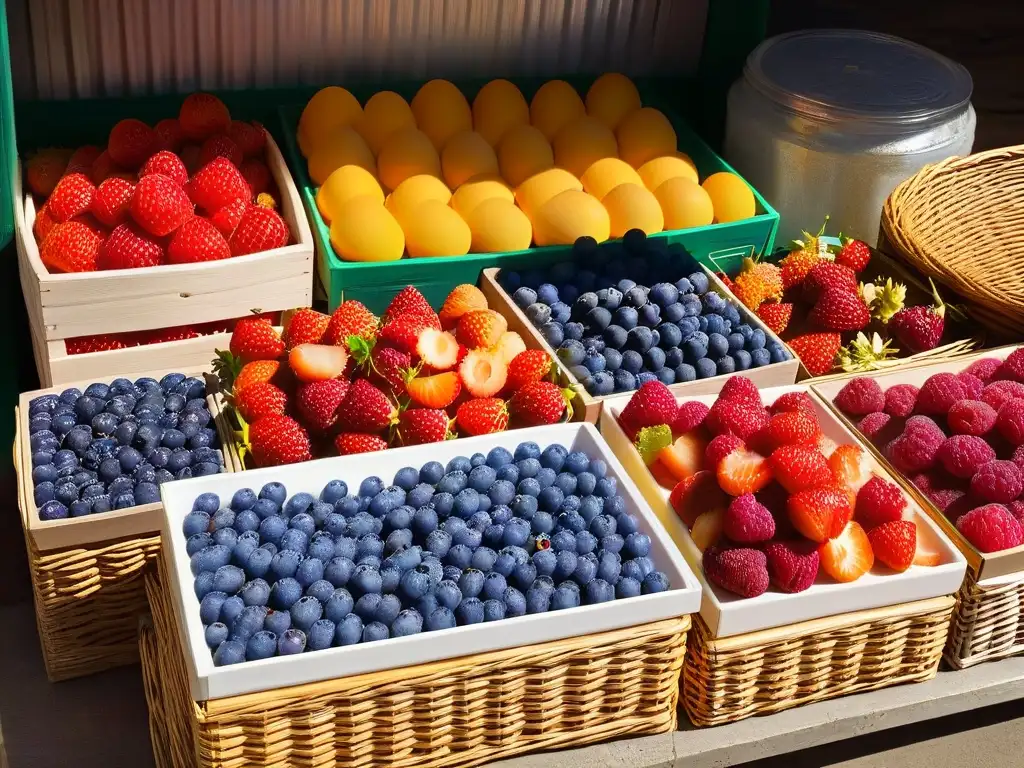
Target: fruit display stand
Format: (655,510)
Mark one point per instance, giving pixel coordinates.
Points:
(776,651)
(87,571)
(587,406)
(372,283)
(473,694)
(988,622)
(62,306)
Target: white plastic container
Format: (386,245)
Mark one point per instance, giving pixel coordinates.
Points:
(828,122)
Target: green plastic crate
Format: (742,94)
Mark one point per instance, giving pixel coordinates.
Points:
(720,246)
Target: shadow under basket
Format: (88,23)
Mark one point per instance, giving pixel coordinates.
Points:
(761,673)
(461,712)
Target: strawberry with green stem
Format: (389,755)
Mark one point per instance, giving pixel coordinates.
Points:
(920,328)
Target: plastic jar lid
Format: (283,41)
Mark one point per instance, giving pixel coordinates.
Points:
(839,74)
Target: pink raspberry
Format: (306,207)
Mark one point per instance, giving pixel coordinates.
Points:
(900,400)
(860,396)
(998,481)
(991,528)
(934,480)
(963,455)
(915,449)
(748,521)
(972,385)
(690,416)
(1012,368)
(984,368)
(938,394)
(944,498)
(792,565)
(1016,508)
(998,392)
(1010,421)
(971,417)
(872,424)
(924,425)
(1018,457)
(742,571)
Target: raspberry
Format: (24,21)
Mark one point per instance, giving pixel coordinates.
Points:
(740,388)
(971,417)
(873,424)
(792,565)
(1016,508)
(1018,457)
(972,385)
(998,392)
(924,425)
(747,521)
(860,397)
(963,455)
(720,447)
(691,415)
(934,480)
(741,571)
(1010,421)
(998,481)
(1012,367)
(914,450)
(984,368)
(879,501)
(945,497)
(938,394)
(900,400)
(991,528)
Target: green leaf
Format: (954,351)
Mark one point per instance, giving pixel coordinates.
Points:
(360,348)
(650,441)
(227,367)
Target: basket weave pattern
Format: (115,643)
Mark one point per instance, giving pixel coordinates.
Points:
(88,603)
(730,679)
(460,712)
(988,623)
(961,221)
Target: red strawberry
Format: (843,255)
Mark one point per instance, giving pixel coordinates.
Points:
(408,301)
(351,318)
(44,169)
(307,326)
(159,205)
(650,405)
(259,400)
(174,333)
(167,164)
(71,247)
(775,316)
(82,159)
(463,298)
(366,408)
(203,115)
(317,362)
(438,349)
(251,138)
(276,440)
(793,402)
(318,402)
(540,402)
(817,351)
(260,229)
(437,391)
(483,373)
(256,175)
(43,224)
(797,265)
(104,342)
(741,418)
(217,184)
(482,416)
(226,219)
(838,309)
(105,168)
(854,254)
(130,247)
(256,371)
(130,143)
(828,274)
(404,332)
(820,513)
(894,543)
(112,201)
(417,426)
(480,328)
(743,471)
(72,197)
(799,467)
(531,365)
(169,135)
(740,388)
(696,495)
(793,428)
(220,146)
(254,338)
(349,443)
(197,240)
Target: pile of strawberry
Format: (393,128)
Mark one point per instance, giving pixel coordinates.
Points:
(191,189)
(959,438)
(353,383)
(815,301)
(767,497)
(105,342)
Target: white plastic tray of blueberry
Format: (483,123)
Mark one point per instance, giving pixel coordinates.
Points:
(111,446)
(482,539)
(614,331)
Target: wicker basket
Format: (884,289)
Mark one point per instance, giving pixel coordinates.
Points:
(959,222)
(461,712)
(988,624)
(730,679)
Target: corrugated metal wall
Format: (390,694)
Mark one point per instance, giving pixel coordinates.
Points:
(88,48)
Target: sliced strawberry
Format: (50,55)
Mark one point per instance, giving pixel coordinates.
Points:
(697,494)
(820,513)
(924,554)
(483,373)
(850,467)
(848,556)
(438,391)
(743,471)
(317,362)
(438,349)
(685,457)
(707,528)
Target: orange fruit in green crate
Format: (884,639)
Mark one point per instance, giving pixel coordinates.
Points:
(342,185)
(684,204)
(466,155)
(730,196)
(582,143)
(568,216)
(554,105)
(365,230)
(498,107)
(330,108)
(541,187)
(415,190)
(434,229)
(633,206)
(523,152)
(498,226)
(344,147)
(384,114)
(475,191)
(660,169)
(606,174)
(611,97)
(644,135)
(407,153)
(441,111)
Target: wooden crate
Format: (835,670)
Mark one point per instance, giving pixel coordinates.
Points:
(587,407)
(62,306)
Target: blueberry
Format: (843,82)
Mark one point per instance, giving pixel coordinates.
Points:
(725,365)
(348,631)
(565,563)
(215,634)
(626,318)
(664,294)
(666,376)
(639,339)
(538,313)
(637,545)
(760,357)
(203,584)
(599,591)
(706,368)
(524,297)
(147,493)
(650,315)
(742,359)
(560,313)
(229,652)
(583,304)
(654,582)
(564,597)
(294,540)
(469,611)
(375,631)
(553,333)
(757,340)
(573,331)
(515,602)
(713,323)
(776,353)
(291,642)
(231,609)
(572,352)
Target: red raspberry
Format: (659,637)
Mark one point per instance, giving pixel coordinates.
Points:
(991,528)
(934,480)
(168,164)
(900,400)
(925,425)
(741,418)
(914,450)
(792,565)
(946,497)
(250,137)
(1010,421)
(860,396)
(794,401)
(1018,457)
(1012,368)
(691,415)
(972,385)
(998,481)
(747,521)
(938,394)
(742,571)
(879,501)
(963,455)
(971,417)
(998,392)
(984,368)
(740,388)
(1016,508)
(256,175)
(203,115)
(872,425)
